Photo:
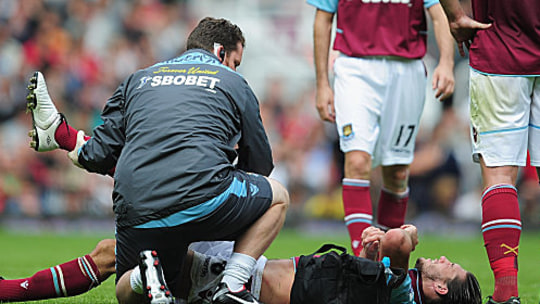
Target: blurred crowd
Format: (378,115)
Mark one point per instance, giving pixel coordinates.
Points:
(85,48)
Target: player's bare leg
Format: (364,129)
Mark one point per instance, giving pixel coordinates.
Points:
(278,278)
(104,258)
(124,291)
(259,237)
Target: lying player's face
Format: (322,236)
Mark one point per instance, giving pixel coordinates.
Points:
(440,268)
(234,58)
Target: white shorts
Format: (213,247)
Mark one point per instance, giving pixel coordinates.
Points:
(378,102)
(209,261)
(505,119)
(220,249)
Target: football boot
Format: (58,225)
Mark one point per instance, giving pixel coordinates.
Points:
(45,116)
(223,295)
(154,284)
(512,300)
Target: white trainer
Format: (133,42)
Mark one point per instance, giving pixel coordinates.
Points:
(45,116)
(206,273)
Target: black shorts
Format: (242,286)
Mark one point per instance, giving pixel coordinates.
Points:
(227,222)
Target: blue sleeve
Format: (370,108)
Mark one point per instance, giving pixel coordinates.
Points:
(430,3)
(403,294)
(329,6)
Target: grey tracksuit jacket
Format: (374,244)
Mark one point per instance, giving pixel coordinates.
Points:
(170,132)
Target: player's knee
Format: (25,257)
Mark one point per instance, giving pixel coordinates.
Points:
(124,292)
(105,249)
(280,194)
(396,177)
(357,165)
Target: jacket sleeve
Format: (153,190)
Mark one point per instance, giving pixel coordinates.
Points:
(254,152)
(101,152)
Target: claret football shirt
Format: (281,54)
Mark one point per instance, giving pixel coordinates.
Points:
(511,46)
(379,27)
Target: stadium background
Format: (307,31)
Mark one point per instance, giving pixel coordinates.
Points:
(85,48)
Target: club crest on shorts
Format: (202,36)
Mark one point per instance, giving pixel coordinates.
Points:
(347,131)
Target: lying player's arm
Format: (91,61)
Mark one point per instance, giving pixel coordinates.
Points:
(371,241)
(398,244)
(412,234)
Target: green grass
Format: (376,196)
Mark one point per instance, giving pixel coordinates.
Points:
(23,255)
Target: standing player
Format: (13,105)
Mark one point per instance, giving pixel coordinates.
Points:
(504,54)
(169,135)
(379,88)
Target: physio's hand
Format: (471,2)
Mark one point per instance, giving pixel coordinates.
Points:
(464,30)
(325,103)
(74,155)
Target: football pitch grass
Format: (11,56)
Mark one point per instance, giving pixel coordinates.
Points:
(23,254)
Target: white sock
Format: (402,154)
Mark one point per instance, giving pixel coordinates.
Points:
(238,271)
(257,276)
(135,280)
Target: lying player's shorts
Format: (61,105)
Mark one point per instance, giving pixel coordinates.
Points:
(219,249)
(207,269)
(505,119)
(378,102)
(241,207)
